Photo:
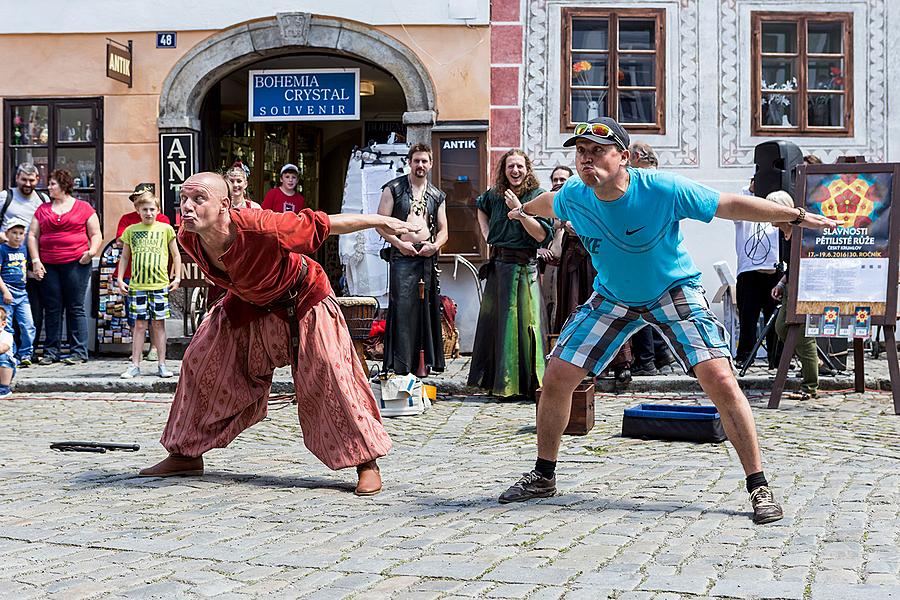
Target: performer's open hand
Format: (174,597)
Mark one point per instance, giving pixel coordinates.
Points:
(512,201)
(816,221)
(392,226)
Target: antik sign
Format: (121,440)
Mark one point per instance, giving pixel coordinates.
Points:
(307,95)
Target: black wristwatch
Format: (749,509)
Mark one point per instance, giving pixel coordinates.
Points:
(800,216)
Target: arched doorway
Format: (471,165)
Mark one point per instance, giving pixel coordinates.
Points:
(213,59)
(205,96)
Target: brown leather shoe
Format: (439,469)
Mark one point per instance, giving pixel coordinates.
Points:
(369,479)
(175,464)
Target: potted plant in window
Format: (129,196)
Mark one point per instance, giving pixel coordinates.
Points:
(579,71)
(820,104)
(776,105)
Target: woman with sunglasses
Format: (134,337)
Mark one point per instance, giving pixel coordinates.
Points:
(508,352)
(629,220)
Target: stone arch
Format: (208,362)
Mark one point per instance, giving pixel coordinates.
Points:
(194,75)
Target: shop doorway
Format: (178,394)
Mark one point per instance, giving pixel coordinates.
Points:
(320,149)
(265,148)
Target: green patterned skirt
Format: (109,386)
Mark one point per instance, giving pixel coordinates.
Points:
(508,354)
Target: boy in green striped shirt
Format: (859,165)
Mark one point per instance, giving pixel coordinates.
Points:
(148,246)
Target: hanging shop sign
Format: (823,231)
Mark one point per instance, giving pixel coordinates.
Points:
(304,95)
(119,61)
(176,159)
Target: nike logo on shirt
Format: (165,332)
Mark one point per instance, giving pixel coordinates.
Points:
(633,231)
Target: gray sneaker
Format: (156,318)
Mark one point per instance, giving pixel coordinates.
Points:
(531,485)
(765,509)
(132,372)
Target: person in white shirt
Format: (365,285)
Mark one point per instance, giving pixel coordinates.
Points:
(758,261)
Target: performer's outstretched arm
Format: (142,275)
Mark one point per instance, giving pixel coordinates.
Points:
(737,207)
(542,206)
(385,225)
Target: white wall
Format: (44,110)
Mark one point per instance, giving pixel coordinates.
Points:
(88,16)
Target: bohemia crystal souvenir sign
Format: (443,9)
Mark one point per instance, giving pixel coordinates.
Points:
(304,95)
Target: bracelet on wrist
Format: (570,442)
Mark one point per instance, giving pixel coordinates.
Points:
(800,216)
(523,213)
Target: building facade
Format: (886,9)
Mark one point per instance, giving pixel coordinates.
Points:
(702,81)
(705,81)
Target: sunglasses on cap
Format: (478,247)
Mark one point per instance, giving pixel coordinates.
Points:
(600,130)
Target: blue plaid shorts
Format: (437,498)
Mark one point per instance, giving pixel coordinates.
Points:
(597,329)
(148,305)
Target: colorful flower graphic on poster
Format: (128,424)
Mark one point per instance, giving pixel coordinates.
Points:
(860,203)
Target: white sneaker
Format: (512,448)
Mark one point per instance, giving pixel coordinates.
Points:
(133,371)
(164,372)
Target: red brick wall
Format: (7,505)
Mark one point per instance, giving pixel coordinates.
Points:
(507,29)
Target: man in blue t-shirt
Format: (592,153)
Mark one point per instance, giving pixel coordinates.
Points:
(629,220)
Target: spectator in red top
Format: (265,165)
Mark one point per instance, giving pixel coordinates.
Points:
(63,238)
(286,198)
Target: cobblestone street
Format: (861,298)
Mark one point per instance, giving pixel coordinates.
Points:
(633,520)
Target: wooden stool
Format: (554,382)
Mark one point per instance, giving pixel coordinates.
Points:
(359,312)
(581,417)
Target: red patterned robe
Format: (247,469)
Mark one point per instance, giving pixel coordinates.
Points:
(227,370)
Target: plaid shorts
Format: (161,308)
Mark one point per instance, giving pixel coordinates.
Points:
(597,329)
(148,305)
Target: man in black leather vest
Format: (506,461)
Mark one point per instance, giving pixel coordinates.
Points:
(414,322)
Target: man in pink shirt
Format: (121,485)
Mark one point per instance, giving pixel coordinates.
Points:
(286,198)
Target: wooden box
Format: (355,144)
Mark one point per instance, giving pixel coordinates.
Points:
(581,417)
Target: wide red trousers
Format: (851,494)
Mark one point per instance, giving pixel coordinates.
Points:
(226,376)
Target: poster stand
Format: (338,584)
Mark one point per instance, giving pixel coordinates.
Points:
(825,273)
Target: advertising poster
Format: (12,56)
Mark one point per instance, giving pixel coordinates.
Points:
(849,262)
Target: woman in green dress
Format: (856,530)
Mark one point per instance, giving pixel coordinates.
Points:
(508,353)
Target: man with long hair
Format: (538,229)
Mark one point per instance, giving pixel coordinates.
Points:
(508,353)
(629,220)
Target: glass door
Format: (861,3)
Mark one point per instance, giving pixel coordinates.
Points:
(306,151)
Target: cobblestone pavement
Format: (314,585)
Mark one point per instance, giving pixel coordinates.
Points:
(102,375)
(633,520)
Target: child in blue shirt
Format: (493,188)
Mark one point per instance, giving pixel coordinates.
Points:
(13,262)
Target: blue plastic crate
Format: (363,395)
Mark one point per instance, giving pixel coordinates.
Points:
(673,422)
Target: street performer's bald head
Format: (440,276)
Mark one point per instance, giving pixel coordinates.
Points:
(204,201)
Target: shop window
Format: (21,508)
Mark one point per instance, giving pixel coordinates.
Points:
(57,134)
(614,65)
(460,167)
(802,74)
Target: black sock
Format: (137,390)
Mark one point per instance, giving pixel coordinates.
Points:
(755,480)
(546,468)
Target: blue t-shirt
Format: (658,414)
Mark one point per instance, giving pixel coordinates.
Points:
(13,262)
(635,241)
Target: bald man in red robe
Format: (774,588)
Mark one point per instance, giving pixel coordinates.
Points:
(278,310)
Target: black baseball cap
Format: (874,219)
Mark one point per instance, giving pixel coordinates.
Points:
(617,135)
